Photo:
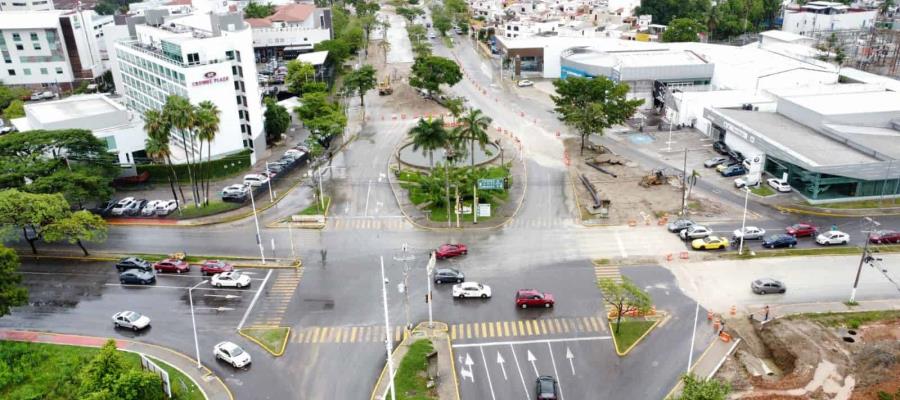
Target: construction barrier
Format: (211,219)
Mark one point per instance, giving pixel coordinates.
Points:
(669,257)
(709,316)
(632,223)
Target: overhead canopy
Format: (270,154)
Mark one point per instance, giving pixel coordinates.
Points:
(315,58)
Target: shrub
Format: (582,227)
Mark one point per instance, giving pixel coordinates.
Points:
(219,168)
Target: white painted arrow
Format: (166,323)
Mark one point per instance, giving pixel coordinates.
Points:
(570,357)
(532,358)
(225,296)
(468,373)
(501,361)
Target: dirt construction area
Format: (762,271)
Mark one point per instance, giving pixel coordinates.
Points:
(629,192)
(801,358)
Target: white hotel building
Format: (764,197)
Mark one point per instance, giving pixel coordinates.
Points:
(199,57)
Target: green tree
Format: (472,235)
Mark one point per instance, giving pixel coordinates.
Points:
(441,19)
(410,13)
(158,127)
(591,105)
(663,11)
(103,371)
(703,389)
(361,81)
(256,10)
(338,50)
(429,135)
(473,128)
(8,94)
(276,120)
(430,72)
(16,109)
(78,185)
(298,74)
(683,30)
(206,115)
(624,297)
(180,115)
(313,104)
(12,294)
(80,226)
(832,50)
(30,212)
(106,7)
(138,385)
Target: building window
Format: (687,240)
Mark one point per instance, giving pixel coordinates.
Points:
(238,98)
(34,36)
(238,55)
(59,70)
(229,54)
(193,58)
(17,37)
(243,128)
(37,46)
(241,72)
(27,71)
(234,70)
(43,71)
(236,85)
(11,72)
(19,46)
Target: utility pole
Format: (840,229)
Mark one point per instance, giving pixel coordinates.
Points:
(262,255)
(406,285)
(475,203)
(458,210)
(428,271)
(387,332)
(863,259)
(744,220)
(684,186)
(291,236)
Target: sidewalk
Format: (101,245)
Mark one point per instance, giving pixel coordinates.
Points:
(445,379)
(212,386)
(709,362)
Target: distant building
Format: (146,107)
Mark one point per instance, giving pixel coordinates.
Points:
(26,5)
(816,17)
(293,29)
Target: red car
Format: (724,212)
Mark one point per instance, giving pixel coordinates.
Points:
(212,267)
(533,298)
(885,236)
(172,265)
(800,230)
(451,250)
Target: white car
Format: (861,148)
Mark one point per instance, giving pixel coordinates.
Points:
(238,189)
(294,154)
(749,233)
(255,180)
(524,83)
(130,320)
(832,237)
(120,207)
(43,95)
(232,354)
(230,279)
(471,289)
(150,208)
(432,35)
(164,207)
(779,185)
(745,181)
(695,232)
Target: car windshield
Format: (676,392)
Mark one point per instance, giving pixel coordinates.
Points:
(546,386)
(132,316)
(236,351)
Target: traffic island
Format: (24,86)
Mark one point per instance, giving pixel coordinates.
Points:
(424,368)
(631,330)
(272,339)
(312,217)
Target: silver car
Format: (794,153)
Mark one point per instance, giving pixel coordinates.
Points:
(130,320)
(750,233)
(767,285)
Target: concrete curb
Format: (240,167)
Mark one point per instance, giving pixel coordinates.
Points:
(278,353)
(633,345)
(237,261)
(440,326)
(277,224)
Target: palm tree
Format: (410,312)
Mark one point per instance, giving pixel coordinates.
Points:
(429,135)
(157,146)
(473,127)
(180,114)
(207,124)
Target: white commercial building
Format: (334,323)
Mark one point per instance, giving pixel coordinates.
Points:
(825,16)
(26,5)
(109,121)
(202,57)
(291,30)
(48,48)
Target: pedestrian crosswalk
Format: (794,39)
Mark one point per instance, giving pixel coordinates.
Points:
(529,327)
(528,223)
(277,297)
(343,334)
(381,224)
(607,271)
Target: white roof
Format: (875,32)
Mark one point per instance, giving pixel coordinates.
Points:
(70,108)
(784,36)
(868,77)
(11,20)
(314,58)
(850,103)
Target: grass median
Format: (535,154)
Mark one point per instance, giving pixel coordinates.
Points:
(410,380)
(214,207)
(629,332)
(316,208)
(763,191)
(851,320)
(272,339)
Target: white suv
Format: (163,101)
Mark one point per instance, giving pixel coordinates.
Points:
(255,180)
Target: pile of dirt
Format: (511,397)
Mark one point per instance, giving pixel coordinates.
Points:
(877,360)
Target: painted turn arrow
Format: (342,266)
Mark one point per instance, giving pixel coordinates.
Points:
(570,357)
(532,358)
(501,361)
(468,373)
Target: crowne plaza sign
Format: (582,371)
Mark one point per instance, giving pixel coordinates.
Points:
(209,78)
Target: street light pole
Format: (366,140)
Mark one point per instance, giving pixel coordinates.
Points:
(684,186)
(693,337)
(429,269)
(321,193)
(194,321)
(387,332)
(291,237)
(744,219)
(269,176)
(262,255)
(408,325)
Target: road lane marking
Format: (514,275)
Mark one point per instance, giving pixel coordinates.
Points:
(179,287)
(555,372)
(519,368)
(515,331)
(353,334)
(506,328)
(619,243)
(578,339)
(453,332)
(534,323)
(558,325)
(565,325)
(368,191)
(468,331)
(521,328)
(484,329)
(488,373)
(255,297)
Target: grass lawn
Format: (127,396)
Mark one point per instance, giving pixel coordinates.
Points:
(272,339)
(863,204)
(315,208)
(214,207)
(630,330)
(407,380)
(409,180)
(815,251)
(851,319)
(50,371)
(762,190)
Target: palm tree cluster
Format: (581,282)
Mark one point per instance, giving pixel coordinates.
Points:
(192,126)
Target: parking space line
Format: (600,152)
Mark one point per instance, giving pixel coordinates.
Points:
(555,372)
(513,342)
(488,373)
(519,368)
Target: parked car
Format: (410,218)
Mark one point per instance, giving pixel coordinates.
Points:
(767,285)
(745,181)
(165,207)
(679,225)
(233,279)
(172,265)
(720,147)
(737,156)
(779,185)
(236,192)
(749,233)
(451,250)
(726,164)
(524,83)
(212,267)
(546,388)
(695,232)
(137,277)
(105,208)
(295,154)
(712,162)
(232,354)
(779,240)
(801,230)
(832,237)
(45,95)
(130,320)
(119,208)
(149,209)
(442,275)
(734,170)
(255,180)
(709,243)
(272,169)
(133,263)
(7,129)
(135,207)
(885,236)
(534,298)
(471,289)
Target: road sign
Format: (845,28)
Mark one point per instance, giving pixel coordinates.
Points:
(484,209)
(163,375)
(490,184)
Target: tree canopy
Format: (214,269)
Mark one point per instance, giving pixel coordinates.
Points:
(9,93)
(664,11)
(299,73)
(590,105)
(430,72)
(256,10)
(277,120)
(107,376)
(16,109)
(48,217)
(410,13)
(683,30)
(360,81)
(624,297)
(12,294)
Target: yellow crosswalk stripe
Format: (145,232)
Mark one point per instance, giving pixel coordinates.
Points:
(544,326)
(499,327)
(505,328)
(565,325)
(579,325)
(490,329)
(596,324)
(558,325)
(522,328)
(316,333)
(326,334)
(365,334)
(513,328)
(587,324)
(468,331)
(536,330)
(528,328)
(337,334)
(483,329)
(452,332)
(353,332)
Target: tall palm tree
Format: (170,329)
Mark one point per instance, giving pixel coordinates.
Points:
(207,124)
(429,135)
(473,127)
(157,146)
(180,114)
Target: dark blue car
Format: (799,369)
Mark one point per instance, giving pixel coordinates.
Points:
(137,277)
(734,170)
(780,240)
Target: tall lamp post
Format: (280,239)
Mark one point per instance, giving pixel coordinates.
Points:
(387,332)
(262,255)
(744,219)
(194,321)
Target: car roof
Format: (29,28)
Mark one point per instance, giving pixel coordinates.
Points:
(451,270)
(227,345)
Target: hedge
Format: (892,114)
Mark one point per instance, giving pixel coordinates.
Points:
(220,168)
